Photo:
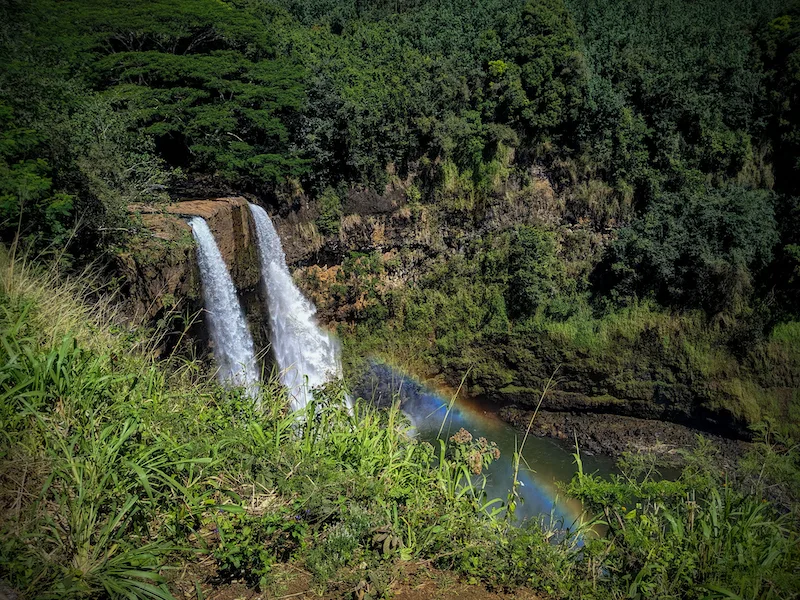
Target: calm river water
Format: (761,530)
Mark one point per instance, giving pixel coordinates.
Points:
(546,461)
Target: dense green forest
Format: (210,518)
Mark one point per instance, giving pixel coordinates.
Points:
(605,187)
(672,123)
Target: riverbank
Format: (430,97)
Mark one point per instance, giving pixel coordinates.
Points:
(597,434)
(611,435)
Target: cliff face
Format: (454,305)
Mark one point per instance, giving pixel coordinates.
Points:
(385,245)
(159,265)
(653,365)
(233,229)
(158,268)
(372,222)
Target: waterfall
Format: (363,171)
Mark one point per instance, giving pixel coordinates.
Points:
(307,356)
(233,345)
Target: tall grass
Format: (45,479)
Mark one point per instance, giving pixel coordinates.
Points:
(54,304)
(697,536)
(114,465)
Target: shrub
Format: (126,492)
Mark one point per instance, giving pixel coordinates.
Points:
(696,248)
(534,271)
(330,212)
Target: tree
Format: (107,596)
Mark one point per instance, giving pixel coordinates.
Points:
(551,65)
(695,248)
(781,49)
(199,75)
(534,271)
(28,203)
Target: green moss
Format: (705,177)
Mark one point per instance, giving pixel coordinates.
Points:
(605,400)
(787,333)
(517,389)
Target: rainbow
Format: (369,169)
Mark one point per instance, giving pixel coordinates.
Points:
(544,464)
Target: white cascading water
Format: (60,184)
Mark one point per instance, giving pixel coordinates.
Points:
(307,356)
(233,344)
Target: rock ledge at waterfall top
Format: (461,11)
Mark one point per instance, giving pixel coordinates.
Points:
(159,263)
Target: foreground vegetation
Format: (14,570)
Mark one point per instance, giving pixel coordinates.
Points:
(116,468)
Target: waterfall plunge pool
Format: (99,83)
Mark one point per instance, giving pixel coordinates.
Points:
(307,356)
(545,463)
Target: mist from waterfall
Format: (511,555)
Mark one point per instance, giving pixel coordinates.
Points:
(233,345)
(307,356)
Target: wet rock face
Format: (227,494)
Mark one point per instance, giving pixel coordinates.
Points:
(233,229)
(159,265)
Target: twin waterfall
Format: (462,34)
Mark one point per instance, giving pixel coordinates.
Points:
(233,344)
(306,355)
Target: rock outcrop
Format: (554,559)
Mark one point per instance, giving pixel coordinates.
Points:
(159,265)
(230,222)
(158,268)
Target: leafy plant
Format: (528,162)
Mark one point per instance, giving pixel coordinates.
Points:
(250,544)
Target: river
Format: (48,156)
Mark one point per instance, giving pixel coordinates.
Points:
(545,463)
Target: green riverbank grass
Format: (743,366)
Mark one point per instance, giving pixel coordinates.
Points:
(119,472)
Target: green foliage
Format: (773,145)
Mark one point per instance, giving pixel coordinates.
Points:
(135,465)
(73,159)
(202,79)
(697,536)
(698,248)
(101,481)
(132,464)
(780,40)
(341,545)
(330,212)
(250,544)
(456,317)
(534,271)
(674,120)
(27,201)
(773,462)
(670,89)
(196,82)
(783,276)
(551,69)
(477,454)
(633,108)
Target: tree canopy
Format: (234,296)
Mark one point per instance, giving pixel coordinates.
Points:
(671,124)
